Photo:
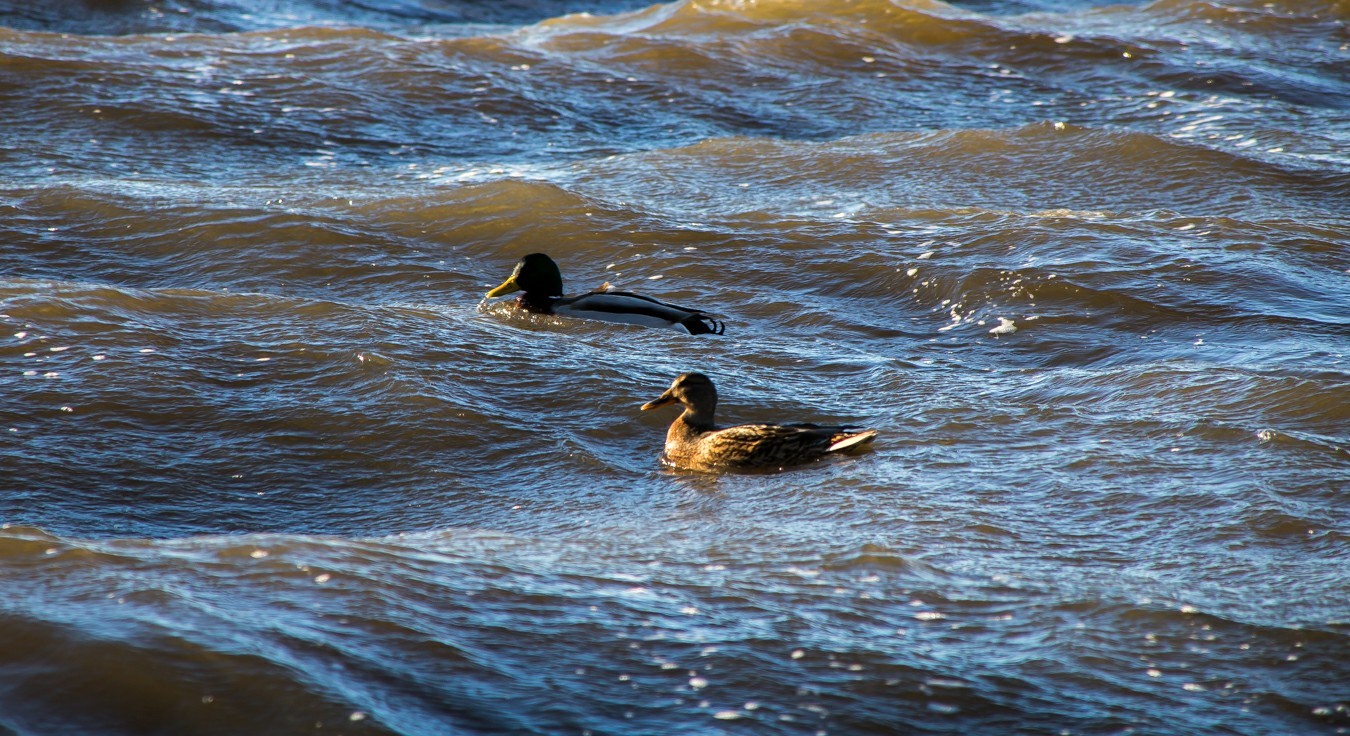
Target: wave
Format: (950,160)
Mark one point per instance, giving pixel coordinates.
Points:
(219,634)
(870,216)
(109,17)
(352,97)
(113,17)
(164,237)
(1278,14)
(1226,404)
(1037,167)
(895,36)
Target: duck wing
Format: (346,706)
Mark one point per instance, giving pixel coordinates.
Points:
(842,436)
(635,309)
(776,445)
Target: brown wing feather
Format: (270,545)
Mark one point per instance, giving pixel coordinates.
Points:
(769,445)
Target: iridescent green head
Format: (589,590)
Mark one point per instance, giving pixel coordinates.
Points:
(535,274)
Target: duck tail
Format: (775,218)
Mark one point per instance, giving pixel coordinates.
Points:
(851,441)
(702,324)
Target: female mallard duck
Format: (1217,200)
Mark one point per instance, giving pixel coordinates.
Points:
(694,441)
(538,276)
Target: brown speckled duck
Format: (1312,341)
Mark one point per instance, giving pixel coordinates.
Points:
(694,441)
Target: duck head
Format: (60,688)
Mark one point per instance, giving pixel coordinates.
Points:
(535,274)
(695,392)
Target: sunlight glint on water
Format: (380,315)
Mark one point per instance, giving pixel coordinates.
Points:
(272,463)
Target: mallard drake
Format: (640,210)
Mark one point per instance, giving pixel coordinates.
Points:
(538,276)
(694,441)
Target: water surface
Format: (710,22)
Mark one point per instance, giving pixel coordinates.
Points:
(266,465)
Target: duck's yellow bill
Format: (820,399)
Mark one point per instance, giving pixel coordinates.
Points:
(662,400)
(507,287)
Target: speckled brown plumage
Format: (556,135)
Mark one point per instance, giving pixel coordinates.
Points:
(694,441)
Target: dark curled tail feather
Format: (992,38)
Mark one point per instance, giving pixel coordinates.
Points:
(702,324)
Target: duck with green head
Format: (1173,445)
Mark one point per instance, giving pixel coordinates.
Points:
(538,276)
(695,442)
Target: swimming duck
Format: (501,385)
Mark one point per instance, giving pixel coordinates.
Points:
(538,276)
(694,441)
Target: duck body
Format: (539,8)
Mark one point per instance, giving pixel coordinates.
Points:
(538,277)
(694,440)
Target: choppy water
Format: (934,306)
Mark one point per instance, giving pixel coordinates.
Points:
(265,467)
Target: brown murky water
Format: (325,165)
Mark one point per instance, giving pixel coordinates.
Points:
(266,466)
